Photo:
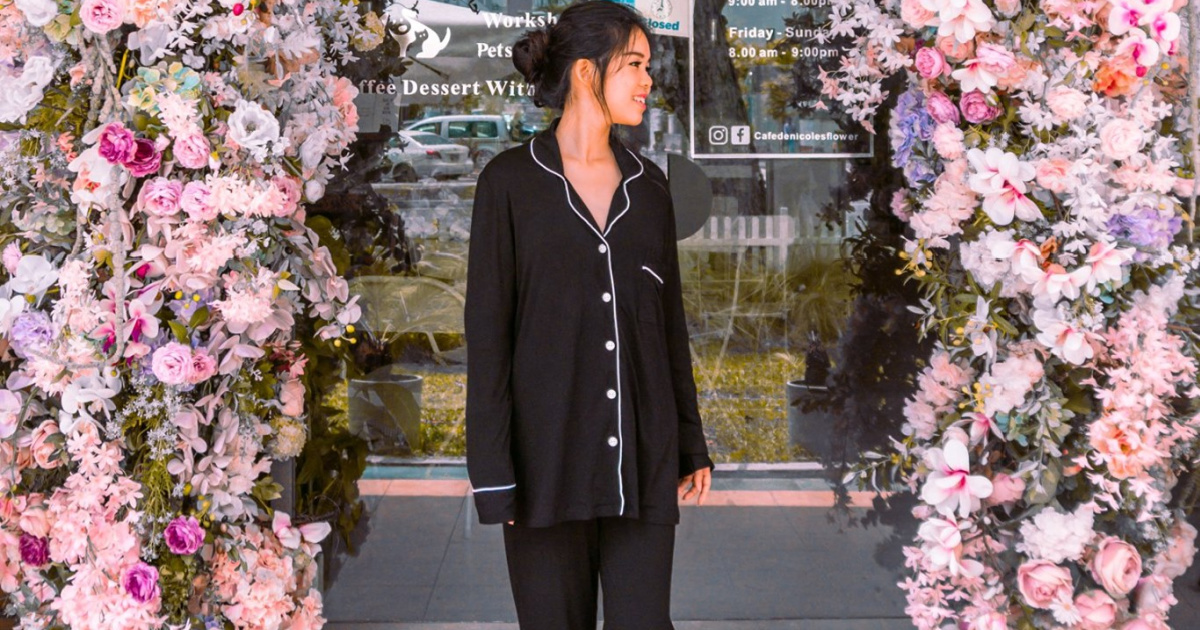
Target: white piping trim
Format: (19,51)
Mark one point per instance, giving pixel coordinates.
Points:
(651,272)
(625,188)
(616,326)
(495,488)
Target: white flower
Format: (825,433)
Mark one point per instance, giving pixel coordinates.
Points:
(38,12)
(20,93)
(1000,177)
(1056,282)
(312,151)
(98,180)
(1009,382)
(950,485)
(1107,263)
(944,547)
(10,307)
(252,127)
(960,18)
(152,41)
(1056,536)
(34,275)
(10,413)
(1066,340)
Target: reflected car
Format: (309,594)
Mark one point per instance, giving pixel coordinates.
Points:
(413,155)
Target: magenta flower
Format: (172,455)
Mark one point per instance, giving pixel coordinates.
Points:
(34,551)
(146,158)
(141,582)
(117,143)
(184,535)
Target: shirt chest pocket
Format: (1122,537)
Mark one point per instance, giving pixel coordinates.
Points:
(650,292)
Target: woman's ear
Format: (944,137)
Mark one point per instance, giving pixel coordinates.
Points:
(583,75)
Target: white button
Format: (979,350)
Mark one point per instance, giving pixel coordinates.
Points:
(607,297)
(612,441)
(612,393)
(608,345)
(603,249)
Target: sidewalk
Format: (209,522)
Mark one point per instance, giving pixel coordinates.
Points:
(761,555)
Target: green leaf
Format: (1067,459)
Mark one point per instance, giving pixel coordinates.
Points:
(180,331)
(199,318)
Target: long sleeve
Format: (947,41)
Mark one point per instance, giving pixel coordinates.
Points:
(490,306)
(693,448)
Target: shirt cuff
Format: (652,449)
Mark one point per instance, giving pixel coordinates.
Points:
(689,464)
(496,505)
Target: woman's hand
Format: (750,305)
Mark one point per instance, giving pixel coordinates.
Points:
(700,482)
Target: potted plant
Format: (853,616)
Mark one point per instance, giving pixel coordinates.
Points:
(810,422)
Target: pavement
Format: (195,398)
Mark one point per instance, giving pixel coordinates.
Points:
(765,553)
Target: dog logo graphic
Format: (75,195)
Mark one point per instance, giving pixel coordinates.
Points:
(413,33)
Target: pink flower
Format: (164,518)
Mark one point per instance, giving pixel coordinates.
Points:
(192,151)
(43,445)
(1107,263)
(184,535)
(989,621)
(172,364)
(160,197)
(1098,610)
(141,582)
(291,396)
(10,413)
(116,143)
(12,257)
(34,551)
(291,537)
(203,367)
(975,108)
(1043,583)
(1066,340)
(1006,489)
(1117,566)
(1008,8)
(1053,174)
(996,59)
(1000,177)
(914,13)
(196,202)
(941,108)
(1182,549)
(1056,282)
(930,63)
(1066,103)
(102,16)
(146,158)
(950,485)
(1137,624)
(948,140)
(1120,139)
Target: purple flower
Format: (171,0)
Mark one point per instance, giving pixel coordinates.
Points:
(117,144)
(1146,229)
(146,158)
(34,551)
(141,582)
(187,304)
(910,123)
(32,331)
(184,535)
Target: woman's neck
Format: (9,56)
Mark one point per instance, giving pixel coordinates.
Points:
(583,135)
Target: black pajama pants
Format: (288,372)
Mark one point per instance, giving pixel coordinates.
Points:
(555,572)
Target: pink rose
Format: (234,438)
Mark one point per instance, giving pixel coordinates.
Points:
(1154,592)
(1054,174)
(1043,583)
(172,364)
(184,535)
(941,108)
(160,197)
(196,202)
(997,60)
(146,158)
(930,63)
(976,109)
(1138,624)
(43,445)
(1066,103)
(203,367)
(990,621)
(953,49)
(289,187)
(915,14)
(34,519)
(192,151)
(1120,139)
(1006,489)
(1182,549)
(291,396)
(116,143)
(141,582)
(1117,566)
(1097,609)
(102,16)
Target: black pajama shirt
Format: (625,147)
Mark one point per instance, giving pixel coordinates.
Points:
(581,402)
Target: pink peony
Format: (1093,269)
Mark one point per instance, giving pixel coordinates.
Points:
(172,364)
(116,143)
(914,13)
(203,367)
(102,16)
(1097,610)
(141,582)
(1006,489)
(1054,174)
(146,158)
(160,197)
(941,108)
(1067,103)
(954,49)
(184,535)
(1120,139)
(976,109)
(192,151)
(1043,583)
(930,63)
(1117,566)
(196,201)
(995,59)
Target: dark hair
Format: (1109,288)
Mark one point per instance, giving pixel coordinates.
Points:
(595,30)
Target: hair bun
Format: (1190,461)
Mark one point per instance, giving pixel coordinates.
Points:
(529,55)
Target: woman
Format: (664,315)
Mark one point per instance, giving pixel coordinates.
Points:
(583,432)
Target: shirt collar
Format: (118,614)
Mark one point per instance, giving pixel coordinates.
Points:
(545,147)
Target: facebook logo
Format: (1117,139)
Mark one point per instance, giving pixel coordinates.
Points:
(740,134)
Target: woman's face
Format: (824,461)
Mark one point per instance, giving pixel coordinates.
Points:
(627,85)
